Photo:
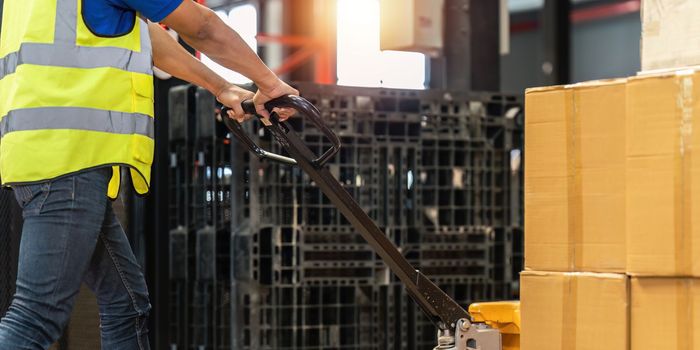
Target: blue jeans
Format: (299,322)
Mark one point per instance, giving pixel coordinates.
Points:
(71,236)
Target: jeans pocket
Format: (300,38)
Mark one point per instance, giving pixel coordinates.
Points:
(31,198)
(23,194)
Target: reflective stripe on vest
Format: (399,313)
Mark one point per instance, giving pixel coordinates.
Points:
(65,92)
(75,57)
(76,119)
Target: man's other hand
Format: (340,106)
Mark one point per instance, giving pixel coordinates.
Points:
(231,96)
(279,88)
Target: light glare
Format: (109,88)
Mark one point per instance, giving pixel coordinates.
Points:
(244,20)
(361,62)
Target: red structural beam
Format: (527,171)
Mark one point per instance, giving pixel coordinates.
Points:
(295,60)
(287,40)
(308,48)
(605,11)
(589,14)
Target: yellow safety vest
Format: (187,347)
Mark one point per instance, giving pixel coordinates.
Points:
(71,100)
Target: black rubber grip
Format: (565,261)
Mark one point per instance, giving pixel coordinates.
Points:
(249,107)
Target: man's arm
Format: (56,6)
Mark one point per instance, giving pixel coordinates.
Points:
(205,31)
(169,56)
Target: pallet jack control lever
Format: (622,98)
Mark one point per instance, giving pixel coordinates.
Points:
(442,310)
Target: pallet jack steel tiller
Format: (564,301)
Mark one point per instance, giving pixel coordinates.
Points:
(491,326)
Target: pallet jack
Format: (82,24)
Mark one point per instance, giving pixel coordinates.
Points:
(487,326)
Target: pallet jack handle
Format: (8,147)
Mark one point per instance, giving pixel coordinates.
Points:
(442,310)
(304,107)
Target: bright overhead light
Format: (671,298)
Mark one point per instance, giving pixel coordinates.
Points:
(361,62)
(244,20)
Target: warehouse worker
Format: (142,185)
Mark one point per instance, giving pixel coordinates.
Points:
(76,103)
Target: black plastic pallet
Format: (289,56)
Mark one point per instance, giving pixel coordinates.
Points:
(285,255)
(309,317)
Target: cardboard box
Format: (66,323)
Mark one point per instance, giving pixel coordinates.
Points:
(574,177)
(669,29)
(665,313)
(574,311)
(413,25)
(663,175)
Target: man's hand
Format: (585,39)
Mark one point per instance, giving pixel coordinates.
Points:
(277,89)
(231,96)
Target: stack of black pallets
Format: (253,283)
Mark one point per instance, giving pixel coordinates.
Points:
(10,235)
(200,223)
(439,174)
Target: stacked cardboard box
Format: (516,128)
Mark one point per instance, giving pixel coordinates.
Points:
(663,209)
(668,29)
(612,242)
(574,186)
(575,293)
(665,313)
(573,311)
(663,164)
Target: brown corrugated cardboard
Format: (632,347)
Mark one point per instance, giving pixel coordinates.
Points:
(665,313)
(599,113)
(547,178)
(669,29)
(574,311)
(663,175)
(574,177)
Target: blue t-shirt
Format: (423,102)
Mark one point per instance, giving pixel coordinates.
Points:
(116,17)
